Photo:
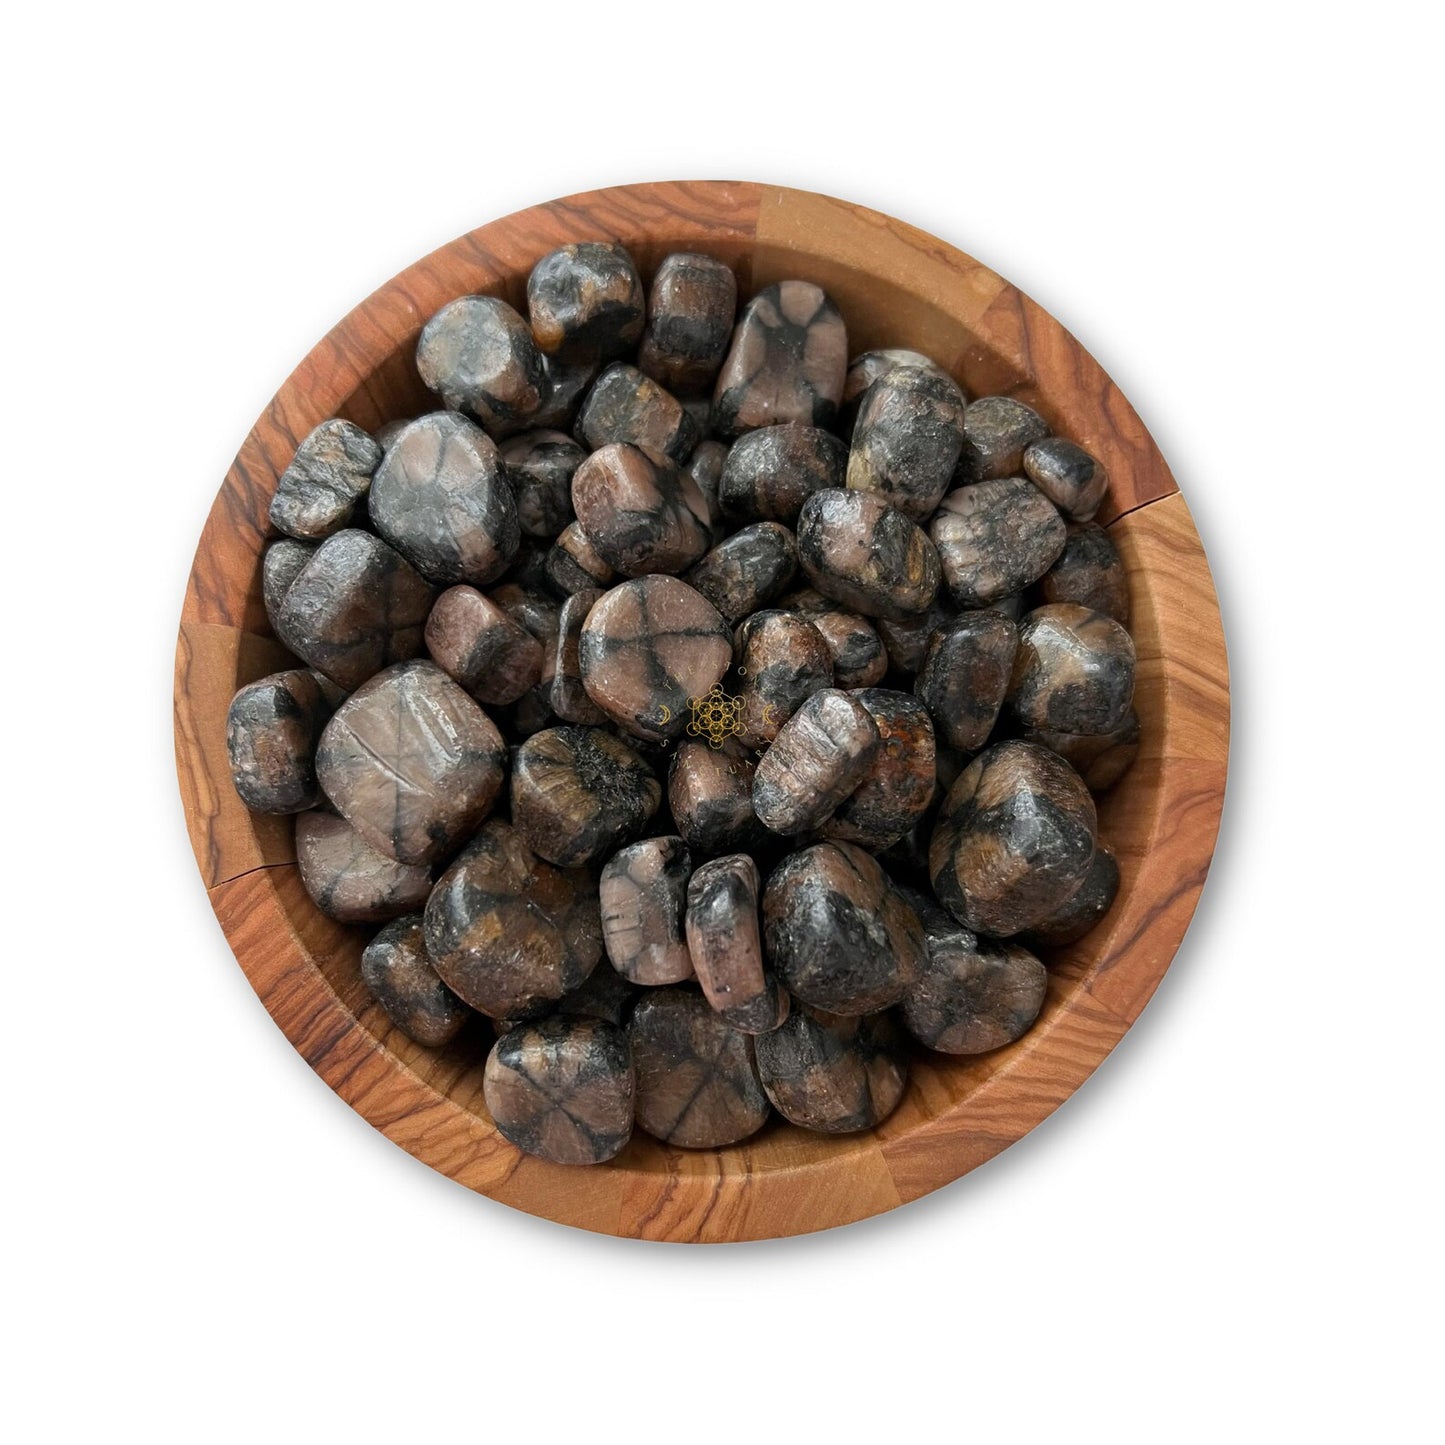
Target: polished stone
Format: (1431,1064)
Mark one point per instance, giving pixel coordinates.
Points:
(272,728)
(626,405)
(898,785)
(768,474)
(641,513)
(331,471)
(965,676)
(725,942)
(747,570)
(400,977)
(994,538)
(481,647)
(997,430)
(690,312)
(1073,672)
(477,354)
(347,879)
(819,756)
(586,302)
(575,565)
(710,794)
(1090,572)
(539,466)
(782,660)
(1068,476)
(643,891)
(1101,759)
(907,439)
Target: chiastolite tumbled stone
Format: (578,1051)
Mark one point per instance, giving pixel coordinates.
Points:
(819,756)
(690,312)
(641,513)
(748,570)
(329,474)
(281,565)
(898,785)
(566,695)
(907,439)
(272,728)
(648,647)
(507,931)
(1078,916)
(347,879)
(1089,571)
(835,1075)
(697,1082)
(866,368)
(838,932)
(1100,759)
(574,565)
(624,405)
(725,942)
(768,474)
(783,660)
(1014,839)
(994,538)
(477,354)
(411,762)
(562,1089)
(965,676)
(1074,670)
(1067,475)
(567,384)
(539,467)
(603,994)
(710,794)
(586,302)
(643,893)
(399,976)
(578,792)
(997,430)
(479,645)
(859,657)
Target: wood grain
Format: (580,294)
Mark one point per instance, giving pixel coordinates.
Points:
(896,286)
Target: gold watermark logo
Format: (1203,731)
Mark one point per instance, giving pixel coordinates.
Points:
(716,717)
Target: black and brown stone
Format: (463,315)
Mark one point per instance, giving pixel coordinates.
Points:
(697,1081)
(566,695)
(355,607)
(626,405)
(562,1089)
(747,570)
(1085,909)
(272,728)
(400,977)
(710,794)
(281,564)
(819,756)
(898,786)
(586,302)
(997,431)
(539,466)
(907,439)
(574,564)
(1014,839)
(509,933)
(994,538)
(1090,572)
(787,362)
(965,676)
(1100,759)
(643,891)
(441,498)
(411,762)
(690,312)
(705,467)
(834,1075)
(859,656)
(782,661)
(477,354)
(725,942)
(770,473)
(838,932)
(865,369)
(347,879)
(641,512)
(603,994)
(329,474)
(1068,476)
(649,647)
(479,645)
(1073,672)
(567,384)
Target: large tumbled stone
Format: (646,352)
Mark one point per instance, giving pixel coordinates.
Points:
(625,405)
(272,728)
(641,513)
(997,430)
(898,786)
(347,879)
(965,676)
(477,354)
(480,646)
(818,758)
(329,474)
(782,661)
(994,538)
(1073,672)
(586,302)
(725,942)
(710,795)
(1072,920)
(747,570)
(865,369)
(768,474)
(400,977)
(643,893)
(690,314)
(1090,572)
(574,565)
(907,439)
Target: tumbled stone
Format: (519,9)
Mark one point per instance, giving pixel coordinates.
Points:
(834,1075)
(281,564)
(747,570)
(697,1082)
(973,994)
(818,757)
(508,932)
(624,405)
(567,383)
(388,431)
(411,762)
(1084,910)
(479,646)
(648,647)
(1090,572)
(690,314)
(1067,475)
(539,466)
(440,497)
(1073,672)
(710,794)
(787,361)
(641,513)
(726,945)
(907,439)
(1101,759)
(783,660)
(859,657)
(565,695)
(400,977)
(997,430)
(355,607)
(603,994)
(838,932)
(562,1089)
(477,354)
(643,891)
(579,792)
(705,467)
(347,879)
(574,564)
(865,554)
(994,538)
(965,676)
(770,473)
(907,640)
(1014,839)
(586,302)
(329,474)
(528,567)
(865,369)
(897,788)
(272,728)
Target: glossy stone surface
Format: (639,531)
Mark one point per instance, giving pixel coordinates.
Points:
(907,439)
(441,498)
(562,1089)
(565,694)
(907,640)
(1090,572)
(1101,759)
(1084,910)
(399,976)
(272,728)
(411,762)
(648,647)
(866,555)
(865,369)
(347,879)
(965,676)
(898,785)
(625,405)
(997,430)
(697,1082)
(705,467)
(838,932)
(725,942)
(643,890)
(710,794)
(783,661)
(539,467)
(690,312)
(586,302)
(578,792)
(480,647)
(1068,476)
(787,361)
(477,354)
(859,657)
(1014,839)
(994,538)
(281,564)
(355,607)
(770,473)
(747,570)
(508,932)
(819,756)
(567,384)
(834,1075)
(574,564)
(1073,672)
(641,513)
(329,474)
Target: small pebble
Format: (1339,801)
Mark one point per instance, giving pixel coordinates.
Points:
(1068,476)
(1080,914)
(1100,759)
(539,465)
(783,660)
(329,474)
(705,467)
(710,794)
(725,944)
(281,564)
(1074,670)
(399,976)
(997,430)
(567,383)
(907,439)
(643,892)
(865,369)
(574,564)
(272,728)
(690,314)
(1090,572)
(565,695)
(641,513)
(477,354)
(994,538)
(819,756)
(898,786)
(859,657)
(625,405)
(770,473)
(586,302)
(480,647)
(347,879)
(965,677)
(746,571)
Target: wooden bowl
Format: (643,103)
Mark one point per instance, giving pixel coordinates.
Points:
(896,287)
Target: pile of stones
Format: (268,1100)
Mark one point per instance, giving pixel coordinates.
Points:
(717,715)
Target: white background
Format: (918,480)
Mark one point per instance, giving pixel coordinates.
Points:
(1232,1230)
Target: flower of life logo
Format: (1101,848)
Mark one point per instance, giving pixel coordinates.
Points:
(716,717)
